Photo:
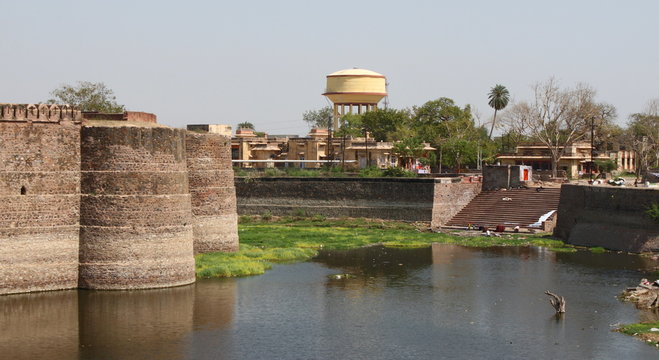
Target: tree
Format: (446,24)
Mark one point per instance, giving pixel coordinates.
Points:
(318,118)
(246,125)
(555,117)
(87,96)
(499,98)
(642,136)
(384,124)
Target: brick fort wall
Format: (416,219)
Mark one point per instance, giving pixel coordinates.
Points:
(211,184)
(135,224)
(39,197)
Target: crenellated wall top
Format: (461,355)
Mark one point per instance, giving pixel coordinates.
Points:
(51,113)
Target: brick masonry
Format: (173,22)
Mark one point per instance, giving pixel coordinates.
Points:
(134,233)
(450,198)
(39,200)
(106,206)
(613,218)
(214,218)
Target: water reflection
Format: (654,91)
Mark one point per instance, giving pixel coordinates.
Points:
(440,301)
(33,325)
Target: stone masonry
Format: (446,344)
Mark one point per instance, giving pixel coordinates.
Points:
(106,204)
(213,193)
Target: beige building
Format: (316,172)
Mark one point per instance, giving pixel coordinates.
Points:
(303,151)
(574,162)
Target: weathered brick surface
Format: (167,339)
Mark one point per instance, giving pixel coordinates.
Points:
(39,201)
(213,193)
(613,218)
(134,233)
(450,198)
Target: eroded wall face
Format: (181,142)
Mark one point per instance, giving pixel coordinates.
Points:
(39,204)
(135,224)
(213,193)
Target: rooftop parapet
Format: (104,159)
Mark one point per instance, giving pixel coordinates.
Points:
(47,113)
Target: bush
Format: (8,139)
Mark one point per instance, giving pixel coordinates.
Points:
(370,172)
(267,215)
(653,211)
(398,172)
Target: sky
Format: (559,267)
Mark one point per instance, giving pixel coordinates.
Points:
(265,62)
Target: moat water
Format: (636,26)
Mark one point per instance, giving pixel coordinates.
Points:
(430,303)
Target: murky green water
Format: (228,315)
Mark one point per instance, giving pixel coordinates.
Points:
(431,303)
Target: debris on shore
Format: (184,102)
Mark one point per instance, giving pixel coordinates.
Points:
(645,294)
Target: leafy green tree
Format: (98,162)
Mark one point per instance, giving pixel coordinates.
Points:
(441,119)
(246,125)
(498,100)
(88,96)
(318,118)
(351,125)
(383,124)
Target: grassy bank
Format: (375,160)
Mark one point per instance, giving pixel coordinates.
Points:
(642,331)
(289,239)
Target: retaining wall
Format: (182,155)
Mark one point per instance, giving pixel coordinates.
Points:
(613,218)
(431,200)
(211,184)
(39,199)
(450,198)
(136,225)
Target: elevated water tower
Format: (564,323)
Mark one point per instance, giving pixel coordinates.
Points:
(354,91)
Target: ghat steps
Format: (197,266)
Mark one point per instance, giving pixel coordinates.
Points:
(510,208)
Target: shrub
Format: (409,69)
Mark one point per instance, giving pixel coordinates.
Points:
(653,211)
(370,172)
(398,172)
(267,215)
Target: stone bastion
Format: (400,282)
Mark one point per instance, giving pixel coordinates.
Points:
(105,202)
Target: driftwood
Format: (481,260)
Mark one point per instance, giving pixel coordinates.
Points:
(644,295)
(558,302)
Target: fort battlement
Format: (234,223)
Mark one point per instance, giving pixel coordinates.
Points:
(42,113)
(106,204)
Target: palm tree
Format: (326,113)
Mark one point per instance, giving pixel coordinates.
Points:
(499,97)
(246,125)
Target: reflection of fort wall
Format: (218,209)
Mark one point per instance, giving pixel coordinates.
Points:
(49,319)
(146,324)
(215,300)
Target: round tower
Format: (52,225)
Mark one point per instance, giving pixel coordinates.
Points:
(214,218)
(135,216)
(354,90)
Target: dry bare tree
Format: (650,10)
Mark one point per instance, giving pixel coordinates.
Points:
(555,117)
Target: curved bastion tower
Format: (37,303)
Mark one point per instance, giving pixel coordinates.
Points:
(214,217)
(136,219)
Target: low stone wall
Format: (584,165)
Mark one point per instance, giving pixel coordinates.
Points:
(613,218)
(382,198)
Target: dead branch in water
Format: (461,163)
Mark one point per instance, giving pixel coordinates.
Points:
(558,302)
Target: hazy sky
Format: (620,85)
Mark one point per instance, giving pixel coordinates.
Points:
(225,62)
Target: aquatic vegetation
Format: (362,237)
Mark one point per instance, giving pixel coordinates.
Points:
(285,239)
(643,331)
(249,260)
(597,250)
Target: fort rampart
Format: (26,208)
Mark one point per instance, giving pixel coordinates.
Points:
(610,217)
(104,204)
